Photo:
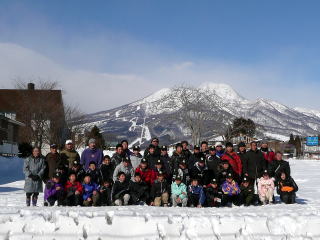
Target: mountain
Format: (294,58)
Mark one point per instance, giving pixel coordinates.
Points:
(141,120)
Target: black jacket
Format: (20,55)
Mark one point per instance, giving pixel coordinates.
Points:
(288,182)
(138,191)
(106,171)
(166,162)
(119,189)
(195,157)
(176,158)
(117,159)
(254,164)
(202,174)
(211,194)
(158,188)
(152,159)
(222,174)
(213,163)
(277,167)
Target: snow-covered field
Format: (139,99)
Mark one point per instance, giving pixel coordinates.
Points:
(279,221)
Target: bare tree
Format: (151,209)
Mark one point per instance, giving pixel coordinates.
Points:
(197,109)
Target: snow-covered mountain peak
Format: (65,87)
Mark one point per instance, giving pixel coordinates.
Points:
(223,90)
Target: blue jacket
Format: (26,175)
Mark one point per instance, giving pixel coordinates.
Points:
(88,155)
(197,190)
(88,190)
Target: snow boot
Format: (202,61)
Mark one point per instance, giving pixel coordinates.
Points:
(28,201)
(34,201)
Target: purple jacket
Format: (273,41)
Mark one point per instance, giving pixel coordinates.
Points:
(50,189)
(89,155)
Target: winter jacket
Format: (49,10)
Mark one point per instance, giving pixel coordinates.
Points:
(127,153)
(116,159)
(234,161)
(88,155)
(151,159)
(178,190)
(277,167)
(187,154)
(222,175)
(138,191)
(88,190)
(264,185)
(158,188)
(242,156)
(80,173)
(176,159)
(163,170)
(119,189)
(135,160)
(52,162)
(268,155)
(230,189)
(157,152)
(69,156)
(200,173)
(254,164)
(94,175)
(287,185)
(220,153)
(247,194)
(195,157)
(147,175)
(106,171)
(50,189)
(183,174)
(36,167)
(197,190)
(213,163)
(71,188)
(212,193)
(166,163)
(129,172)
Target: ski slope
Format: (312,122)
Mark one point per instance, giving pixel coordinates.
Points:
(279,221)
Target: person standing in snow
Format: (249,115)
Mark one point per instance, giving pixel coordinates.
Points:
(136,157)
(195,157)
(204,148)
(177,157)
(219,149)
(213,162)
(33,169)
(185,149)
(242,151)
(234,160)
(52,161)
(266,188)
(126,151)
(118,157)
(268,154)
(68,154)
(91,154)
(166,160)
(279,166)
(126,168)
(106,168)
(155,144)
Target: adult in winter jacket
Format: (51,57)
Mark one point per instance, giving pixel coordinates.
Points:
(160,168)
(195,157)
(52,161)
(146,174)
(231,192)
(200,172)
(53,191)
(213,194)
(166,160)
(126,168)
(69,155)
(247,192)
(213,162)
(224,170)
(266,188)
(204,148)
(151,156)
(73,191)
(179,193)
(91,154)
(136,157)
(105,192)
(106,169)
(138,190)
(182,172)
(279,166)
(126,151)
(268,154)
(118,157)
(219,149)
(242,151)
(33,169)
(287,189)
(185,150)
(233,159)
(160,191)
(177,157)
(254,163)
(90,192)
(120,193)
(196,195)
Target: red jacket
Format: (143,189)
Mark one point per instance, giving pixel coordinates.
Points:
(269,156)
(147,175)
(76,185)
(234,161)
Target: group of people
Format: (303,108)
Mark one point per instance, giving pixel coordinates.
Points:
(214,176)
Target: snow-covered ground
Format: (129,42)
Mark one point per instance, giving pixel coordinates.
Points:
(279,221)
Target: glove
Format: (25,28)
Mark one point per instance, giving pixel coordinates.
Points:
(35,178)
(31,176)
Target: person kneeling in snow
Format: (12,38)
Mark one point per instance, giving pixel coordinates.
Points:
(120,190)
(231,192)
(160,191)
(139,190)
(179,193)
(53,191)
(214,194)
(287,189)
(90,192)
(105,192)
(266,188)
(196,194)
(247,192)
(73,190)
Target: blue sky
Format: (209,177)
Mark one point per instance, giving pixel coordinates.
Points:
(267,49)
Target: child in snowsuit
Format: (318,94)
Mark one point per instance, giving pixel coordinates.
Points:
(214,194)
(105,192)
(93,172)
(287,189)
(179,193)
(73,191)
(139,191)
(106,168)
(231,192)
(196,196)
(266,188)
(90,192)
(120,191)
(53,191)
(160,191)
(247,192)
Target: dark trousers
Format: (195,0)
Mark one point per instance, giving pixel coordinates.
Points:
(105,198)
(73,200)
(193,200)
(288,197)
(34,198)
(57,197)
(235,199)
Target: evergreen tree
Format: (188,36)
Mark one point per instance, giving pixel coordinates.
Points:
(241,126)
(95,133)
